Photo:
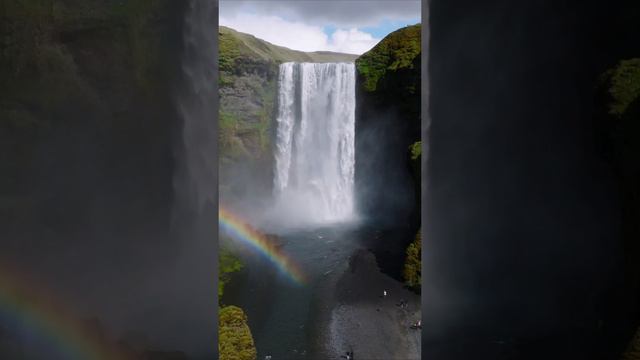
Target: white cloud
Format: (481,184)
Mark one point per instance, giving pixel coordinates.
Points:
(342,13)
(299,36)
(352,41)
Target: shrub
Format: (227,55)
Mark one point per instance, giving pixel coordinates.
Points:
(235,339)
(416,150)
(625,85)
(396,51)
(227,264)
(413,264)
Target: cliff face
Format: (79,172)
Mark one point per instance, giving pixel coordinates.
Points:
(86,109)
(387,125)
(524,211)
(618,115)
(248,98)
(87,128)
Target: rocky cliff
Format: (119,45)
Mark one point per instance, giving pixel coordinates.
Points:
(86,110)
(524,210)
(248,96)
(388,120)
(88,123)
(618,112)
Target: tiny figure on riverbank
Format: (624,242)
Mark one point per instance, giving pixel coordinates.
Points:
(417,325)
(403,303)
(349,355)
(384,293)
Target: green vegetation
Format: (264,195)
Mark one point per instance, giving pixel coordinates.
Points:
(413,264)
(143,44)
(416,153)
(235,341)
(624,85)
(396,51)
(80,55)
(228,51)
(619,122)
(39,34)
(633,350)
(225,80)
(228,125)
(268,96)
(91,67)
(234,44)
(416,150)
(622,121)
(248,70)
(263,130)
(227,265)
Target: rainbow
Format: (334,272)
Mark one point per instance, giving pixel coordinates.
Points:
(38,313)
(240,230)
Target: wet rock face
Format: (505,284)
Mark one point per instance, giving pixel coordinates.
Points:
(247,98)
(250,99)
(387,124)
(522,209)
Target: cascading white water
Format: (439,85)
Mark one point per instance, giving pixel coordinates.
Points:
(315,150)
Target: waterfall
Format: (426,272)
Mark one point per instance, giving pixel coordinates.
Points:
(194,220)
(315,150)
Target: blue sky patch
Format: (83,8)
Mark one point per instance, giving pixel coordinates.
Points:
(388,26)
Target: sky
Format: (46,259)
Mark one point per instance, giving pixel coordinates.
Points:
(351,26)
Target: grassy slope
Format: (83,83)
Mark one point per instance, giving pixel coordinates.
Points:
(251,47)
(396,51)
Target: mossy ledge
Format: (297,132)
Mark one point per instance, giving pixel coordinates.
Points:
(235,339)
(388,109)
(396,51)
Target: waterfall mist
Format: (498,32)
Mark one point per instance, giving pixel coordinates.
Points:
(522,221)
(315,151)
(103,186)
(194,222)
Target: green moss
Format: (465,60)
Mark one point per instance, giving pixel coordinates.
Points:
(228,52)
(396,51)
(228,125)
(248,133)
(624,85)
(138,17)
(46,75)
(227,264)
(416,150)
(225,79)
(235,341)
(633,349)
(227,121)
(268,95)
(263,130)
(412,271)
